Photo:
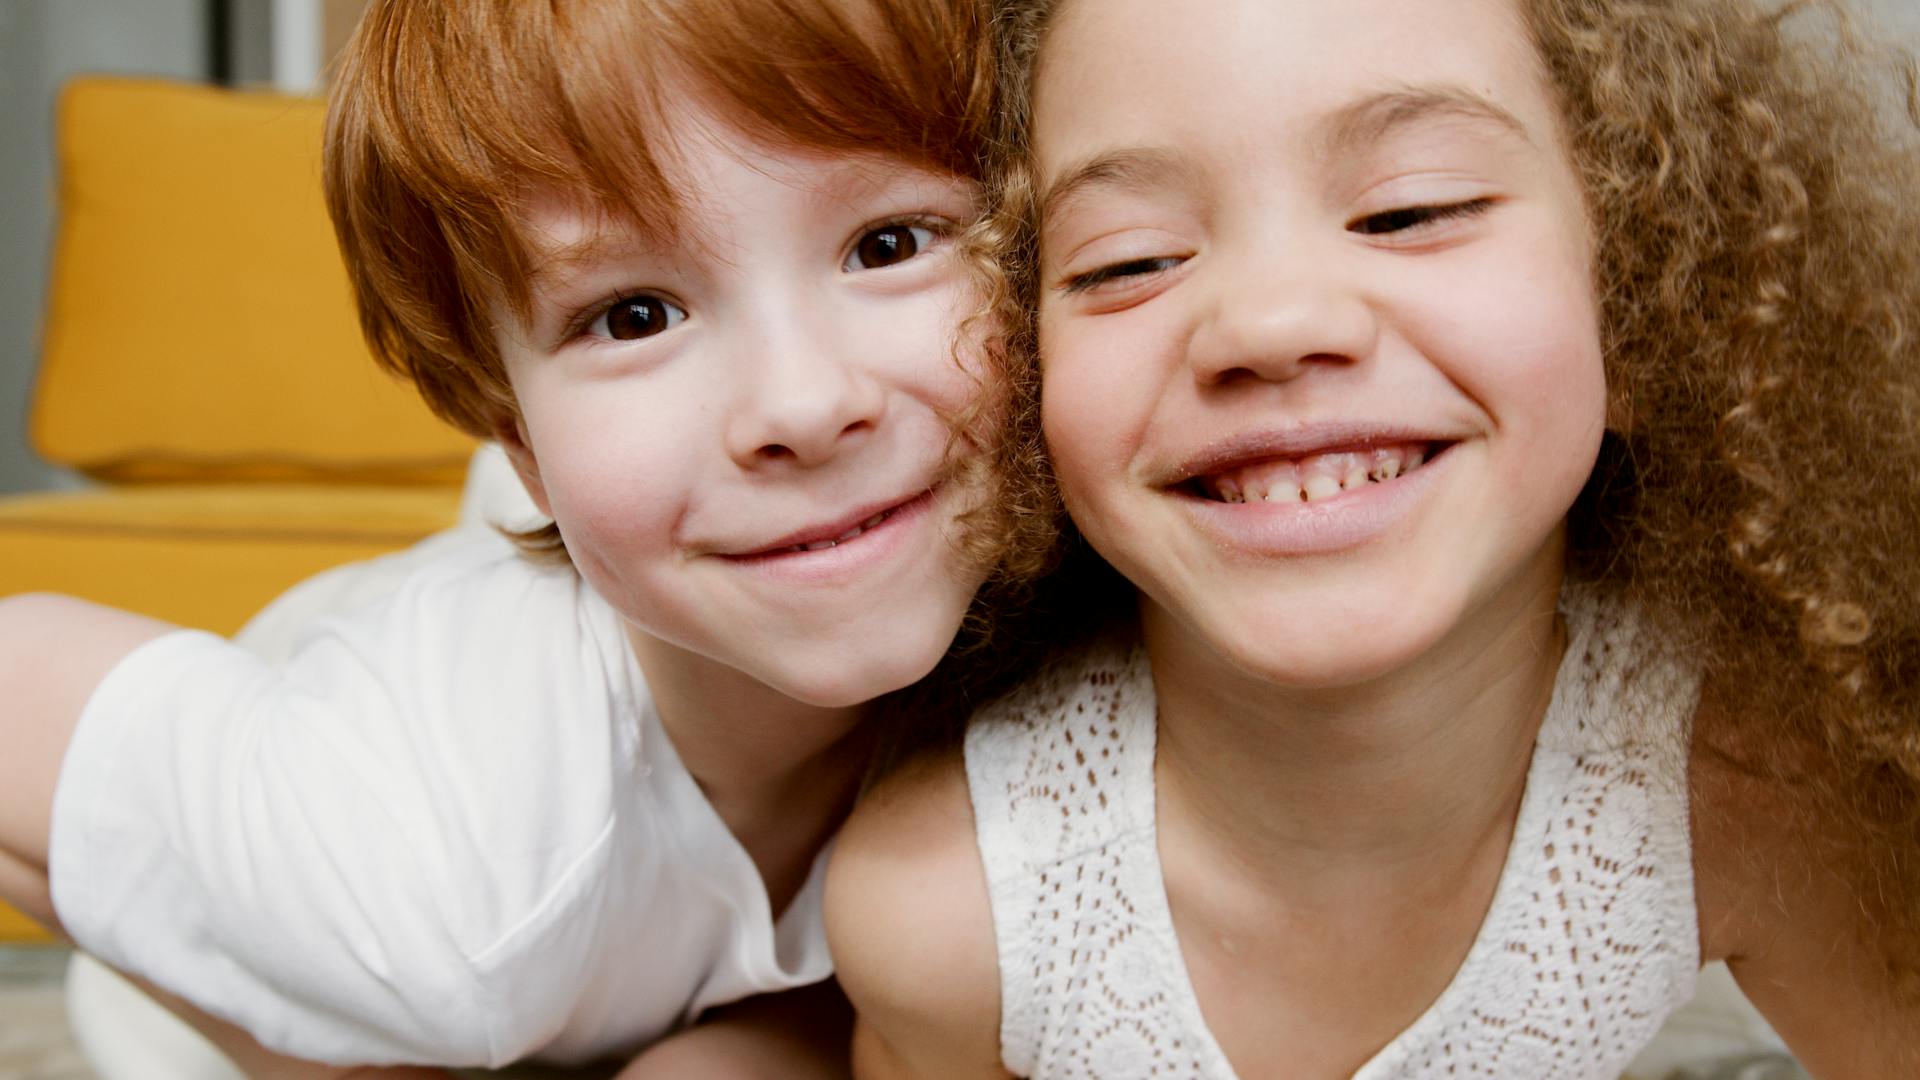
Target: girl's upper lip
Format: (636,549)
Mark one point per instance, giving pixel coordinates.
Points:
(831,530)
(1249,447)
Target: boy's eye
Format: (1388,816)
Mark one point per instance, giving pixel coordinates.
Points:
(1413,217)
(641,315)
(888,245)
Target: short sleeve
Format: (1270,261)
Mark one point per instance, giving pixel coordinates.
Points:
(318,850)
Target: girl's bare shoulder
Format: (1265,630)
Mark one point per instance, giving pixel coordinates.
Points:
(911,929)
(1810,901)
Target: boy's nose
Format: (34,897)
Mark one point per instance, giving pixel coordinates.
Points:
(806,402)
(1273,327)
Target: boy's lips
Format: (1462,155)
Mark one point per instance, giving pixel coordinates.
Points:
(847,527)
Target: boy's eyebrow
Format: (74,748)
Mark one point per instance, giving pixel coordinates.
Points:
(1347,130)
(552,265)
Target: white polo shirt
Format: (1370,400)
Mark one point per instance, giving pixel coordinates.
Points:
(448,828)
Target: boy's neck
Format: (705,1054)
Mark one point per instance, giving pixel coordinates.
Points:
(781,774)
(1419,772)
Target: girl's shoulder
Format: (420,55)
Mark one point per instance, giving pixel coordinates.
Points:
(1813,909)
(906,895)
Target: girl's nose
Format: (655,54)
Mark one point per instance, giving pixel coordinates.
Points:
(1273,326)
(805,399)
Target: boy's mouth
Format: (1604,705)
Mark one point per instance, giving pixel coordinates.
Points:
(822,545)
(834,536)
(1313,477)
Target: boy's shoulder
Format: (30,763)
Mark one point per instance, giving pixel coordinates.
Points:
(463,585)
(907,896)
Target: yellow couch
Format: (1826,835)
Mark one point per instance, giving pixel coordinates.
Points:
(201,363)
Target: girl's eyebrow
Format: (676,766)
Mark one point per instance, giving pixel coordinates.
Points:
(1347,130)
(1363,123)
(1130,169)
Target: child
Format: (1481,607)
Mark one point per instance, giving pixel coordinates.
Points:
(692,264)
(1438,749)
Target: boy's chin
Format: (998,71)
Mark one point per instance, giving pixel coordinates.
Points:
(853,672)
(856,684)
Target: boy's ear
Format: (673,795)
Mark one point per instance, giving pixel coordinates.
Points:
(511,434)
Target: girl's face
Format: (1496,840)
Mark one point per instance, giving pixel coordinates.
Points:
(1322,370)
(743,432)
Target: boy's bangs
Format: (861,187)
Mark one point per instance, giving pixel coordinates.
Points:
(481,105)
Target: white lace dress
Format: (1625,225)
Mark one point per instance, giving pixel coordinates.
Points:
(1590,941)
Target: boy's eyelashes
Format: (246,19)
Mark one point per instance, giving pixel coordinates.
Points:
(1387,223)
(891,243)
(632,316)
(632,313)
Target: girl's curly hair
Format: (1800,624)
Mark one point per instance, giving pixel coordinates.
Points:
(1752,174)
(1753,177)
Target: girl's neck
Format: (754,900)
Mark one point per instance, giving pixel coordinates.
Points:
(1414,771)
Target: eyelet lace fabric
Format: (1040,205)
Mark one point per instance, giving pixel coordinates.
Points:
(1589,943)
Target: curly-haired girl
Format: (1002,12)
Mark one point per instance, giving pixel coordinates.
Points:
(1505,413)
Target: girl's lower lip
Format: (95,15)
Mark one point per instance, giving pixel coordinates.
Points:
(1346,521)
(846,558)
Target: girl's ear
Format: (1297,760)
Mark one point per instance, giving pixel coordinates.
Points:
(511,434)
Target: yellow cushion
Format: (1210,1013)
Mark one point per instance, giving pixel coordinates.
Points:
(205,556)
(200,323)
(17,929)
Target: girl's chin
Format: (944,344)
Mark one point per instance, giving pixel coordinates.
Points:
(1304,648)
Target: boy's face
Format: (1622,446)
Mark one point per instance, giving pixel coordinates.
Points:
(743,434)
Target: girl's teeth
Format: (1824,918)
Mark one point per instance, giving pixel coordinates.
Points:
(1319,486)
(1313,479)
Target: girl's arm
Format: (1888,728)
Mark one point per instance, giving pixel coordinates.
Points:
(912,932)
(797,1035)
(1831,961)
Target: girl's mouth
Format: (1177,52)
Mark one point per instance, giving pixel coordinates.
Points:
(1315,477)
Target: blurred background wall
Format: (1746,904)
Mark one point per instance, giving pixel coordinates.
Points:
(282,43)
(245,42)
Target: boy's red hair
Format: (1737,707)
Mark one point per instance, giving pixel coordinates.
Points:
(447,115)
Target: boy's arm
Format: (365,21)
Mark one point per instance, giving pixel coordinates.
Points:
(1833,967)
(912,932)
(53,653)
(258,1063)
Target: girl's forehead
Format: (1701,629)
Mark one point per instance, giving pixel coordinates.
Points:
(1138,72)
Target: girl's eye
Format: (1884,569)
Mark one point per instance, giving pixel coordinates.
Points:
(888,246)
(1131,268)
(1414,217)
(641,315)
